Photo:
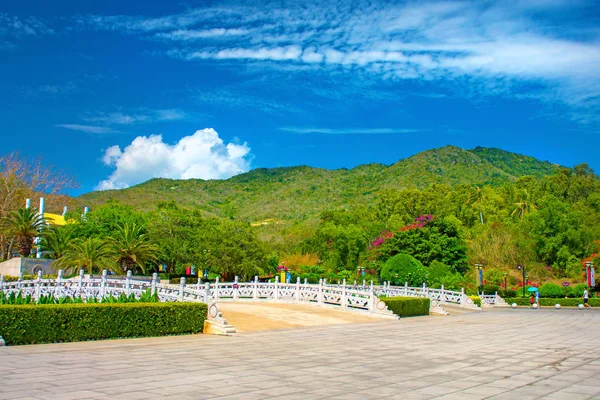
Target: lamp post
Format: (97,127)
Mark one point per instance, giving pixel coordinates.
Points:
(522,269)
(479,275)
(505,275)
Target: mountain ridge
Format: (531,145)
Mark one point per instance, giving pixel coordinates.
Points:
(302,192)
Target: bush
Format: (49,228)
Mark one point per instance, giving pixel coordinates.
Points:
(476,300)
(192,280)
(550,302)
(403,268)
(31,324)
(552,290)
(407,306)
(507,293)
(490,288)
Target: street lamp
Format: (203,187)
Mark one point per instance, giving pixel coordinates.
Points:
(505,275)
(522,269)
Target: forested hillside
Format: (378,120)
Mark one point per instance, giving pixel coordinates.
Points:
(300,193)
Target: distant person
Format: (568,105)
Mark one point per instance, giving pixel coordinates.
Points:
(531,301)
(586,298)
(537,298)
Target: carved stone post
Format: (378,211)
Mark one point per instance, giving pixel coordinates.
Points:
(20,281)
(81,277)
(206,292)
(344,300)
(216,296)
(297,294)
(406,288)
(198,283)
(59,278)
(442,295)
(276,288)
(236,292)
(255,288)
(181,288)
(128,283)
(2,282)
(463,298)
(305,281)
(153,284)
(103,285)
(320,299)
(38,287)
(371,298)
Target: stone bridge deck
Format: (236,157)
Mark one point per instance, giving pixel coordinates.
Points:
(496,354)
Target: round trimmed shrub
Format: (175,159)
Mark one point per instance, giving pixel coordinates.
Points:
(551,290)
(403,268)
(490,288)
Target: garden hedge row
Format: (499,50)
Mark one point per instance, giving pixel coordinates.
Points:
(31,324)
(550,302)
(407,306)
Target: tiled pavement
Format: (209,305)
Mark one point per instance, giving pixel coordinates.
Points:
(498,354)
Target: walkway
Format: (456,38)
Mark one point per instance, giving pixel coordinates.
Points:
(498,354)
(252,317)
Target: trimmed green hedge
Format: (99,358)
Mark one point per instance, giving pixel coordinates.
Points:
(31,324)
(550,302)
(407,306)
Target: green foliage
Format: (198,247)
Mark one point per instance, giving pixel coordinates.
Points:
(407,306)
(476,300)
(133,249)
(92,254)
(19,299)
(31,324)
(24,224)
(551,290)
(403,268)
(490,288)
(507,293)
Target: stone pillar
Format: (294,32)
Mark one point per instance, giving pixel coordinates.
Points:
(206,292)
(153,284)
(255,288)
(236,292)
(216,294)
(181,288)
(297,294)
(58,289)
(38,287)
(81,278)
(442,295)
(128,283)
(371,298)
(344,300)
(103,285)
(320,298)
(276,288)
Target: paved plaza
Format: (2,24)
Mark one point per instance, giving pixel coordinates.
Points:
(497,354)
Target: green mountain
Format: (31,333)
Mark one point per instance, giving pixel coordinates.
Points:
(301,193)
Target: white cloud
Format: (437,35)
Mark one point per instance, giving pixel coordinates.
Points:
(494,44)
(202,155)
(141,115)
(190,34)
(98,130)
(348,131)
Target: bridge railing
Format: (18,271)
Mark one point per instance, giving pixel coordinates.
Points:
(360,297)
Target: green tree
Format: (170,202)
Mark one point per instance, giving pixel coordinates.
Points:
(92,254)
(57,239)
(403,268)
(24,225)
(133,248)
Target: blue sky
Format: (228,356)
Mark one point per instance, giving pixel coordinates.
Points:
(119,92)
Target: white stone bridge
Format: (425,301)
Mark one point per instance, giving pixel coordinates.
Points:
(362,298)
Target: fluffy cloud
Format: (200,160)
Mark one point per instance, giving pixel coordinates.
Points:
(202,155)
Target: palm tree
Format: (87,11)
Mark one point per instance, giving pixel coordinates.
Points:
(525,206)
(133,248)
(56,240)
(25,224)
(90,254)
